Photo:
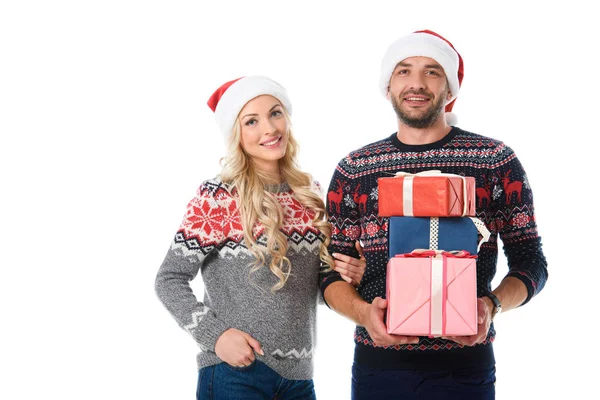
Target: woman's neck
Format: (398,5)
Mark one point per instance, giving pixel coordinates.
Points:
(270,172)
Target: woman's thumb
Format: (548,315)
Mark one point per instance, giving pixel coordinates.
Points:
(254,344)
(359,248)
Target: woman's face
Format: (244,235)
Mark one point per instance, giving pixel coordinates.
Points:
(264,132)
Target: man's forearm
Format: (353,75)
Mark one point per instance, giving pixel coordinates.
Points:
(345,300)
(511,292)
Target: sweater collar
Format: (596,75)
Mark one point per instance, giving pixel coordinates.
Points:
(277,187)
(423,147)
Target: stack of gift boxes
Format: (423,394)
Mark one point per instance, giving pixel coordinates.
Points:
(433,242)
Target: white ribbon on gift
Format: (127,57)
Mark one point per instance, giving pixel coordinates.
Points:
(483,231)
(434,229)
(407,189)
(437,298)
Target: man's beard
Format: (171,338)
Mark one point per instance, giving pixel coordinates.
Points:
(424,121)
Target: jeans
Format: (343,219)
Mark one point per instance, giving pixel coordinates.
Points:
(468,384)
(256,381)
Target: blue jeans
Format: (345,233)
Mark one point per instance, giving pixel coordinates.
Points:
(256,381)
(470,384)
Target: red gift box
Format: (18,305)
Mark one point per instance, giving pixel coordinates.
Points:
(426,194)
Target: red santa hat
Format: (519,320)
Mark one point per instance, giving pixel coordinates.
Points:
(425,43)
(229,99)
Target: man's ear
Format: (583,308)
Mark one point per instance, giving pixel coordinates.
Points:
(387,96)
(448,95)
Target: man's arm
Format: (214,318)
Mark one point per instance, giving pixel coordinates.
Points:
(343,216)
(345,300)
(527,267)
(342,297)
(518,231)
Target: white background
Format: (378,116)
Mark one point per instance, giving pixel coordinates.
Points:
(105,136)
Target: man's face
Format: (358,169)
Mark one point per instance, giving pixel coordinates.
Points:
(419,91)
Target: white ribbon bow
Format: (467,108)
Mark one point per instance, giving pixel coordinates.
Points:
(407,188)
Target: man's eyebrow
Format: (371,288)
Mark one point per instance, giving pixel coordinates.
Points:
(406,64)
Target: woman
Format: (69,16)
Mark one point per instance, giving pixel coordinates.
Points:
(258,234)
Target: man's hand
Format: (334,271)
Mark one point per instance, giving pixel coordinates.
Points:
(484,320)
(237,348)
(372,319)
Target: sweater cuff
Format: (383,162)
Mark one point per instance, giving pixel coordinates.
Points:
(528,285)
(207,333)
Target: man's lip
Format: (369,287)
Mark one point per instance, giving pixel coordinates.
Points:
(417,98)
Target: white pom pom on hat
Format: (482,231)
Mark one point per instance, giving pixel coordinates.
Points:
(229,99)
(425,43)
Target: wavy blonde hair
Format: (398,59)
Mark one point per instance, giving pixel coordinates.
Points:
(255,204)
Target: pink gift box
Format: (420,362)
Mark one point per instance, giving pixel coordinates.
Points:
(432,293)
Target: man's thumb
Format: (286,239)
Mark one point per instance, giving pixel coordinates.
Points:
(380,303)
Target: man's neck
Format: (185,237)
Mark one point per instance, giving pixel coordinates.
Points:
(415,136)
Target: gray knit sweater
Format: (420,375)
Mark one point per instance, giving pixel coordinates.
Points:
(210,240)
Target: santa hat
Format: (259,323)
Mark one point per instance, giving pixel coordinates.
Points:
(229,99)
(425,44)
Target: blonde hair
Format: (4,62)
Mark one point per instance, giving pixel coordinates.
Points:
(257,205)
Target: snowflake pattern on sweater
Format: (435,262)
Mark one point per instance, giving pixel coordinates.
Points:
(504,201)
(212,221)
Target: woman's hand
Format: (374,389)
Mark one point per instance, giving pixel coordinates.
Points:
(237,348)
(351,269)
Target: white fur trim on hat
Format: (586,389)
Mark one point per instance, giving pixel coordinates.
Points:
(451,119)
(241,92)
(420,44)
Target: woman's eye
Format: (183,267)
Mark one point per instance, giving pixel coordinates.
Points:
(276,113)
(250,122)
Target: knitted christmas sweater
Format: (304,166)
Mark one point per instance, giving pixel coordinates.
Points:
(504,202)
(210,240)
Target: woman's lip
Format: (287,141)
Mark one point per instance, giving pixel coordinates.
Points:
(276,142)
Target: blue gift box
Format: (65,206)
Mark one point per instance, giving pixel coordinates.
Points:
(450,233)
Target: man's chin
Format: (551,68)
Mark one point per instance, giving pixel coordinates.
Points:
(421,121)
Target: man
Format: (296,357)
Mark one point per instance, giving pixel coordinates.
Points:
(421,75)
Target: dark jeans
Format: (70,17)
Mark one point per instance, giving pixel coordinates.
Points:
(469,384)
(256,381)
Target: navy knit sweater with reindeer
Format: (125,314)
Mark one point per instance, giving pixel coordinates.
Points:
(504,203)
